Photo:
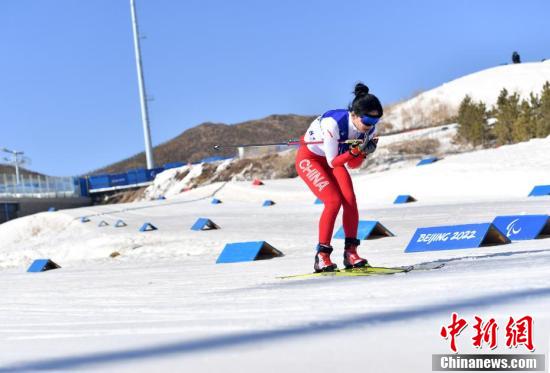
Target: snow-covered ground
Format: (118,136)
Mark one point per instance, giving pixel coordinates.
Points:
(164,305)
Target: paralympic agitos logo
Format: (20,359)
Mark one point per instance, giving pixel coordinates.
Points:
(510,228)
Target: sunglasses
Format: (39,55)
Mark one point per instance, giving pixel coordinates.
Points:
(369,121)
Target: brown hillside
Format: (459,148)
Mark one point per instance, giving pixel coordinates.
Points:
(197,143)
(8,169)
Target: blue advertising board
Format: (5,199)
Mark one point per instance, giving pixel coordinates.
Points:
(170,165)
(523,227)
(137,176)
(152,173)
(99,182)
(455,237)
(118,180)
(83,185)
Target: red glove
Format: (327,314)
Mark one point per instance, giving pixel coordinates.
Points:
(353,157)
(355,162)
(357,151)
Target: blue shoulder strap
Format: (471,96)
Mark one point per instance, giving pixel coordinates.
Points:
(341,116)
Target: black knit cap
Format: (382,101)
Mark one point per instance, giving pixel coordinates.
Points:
(365,102)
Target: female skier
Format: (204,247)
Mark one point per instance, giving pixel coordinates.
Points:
(322,167)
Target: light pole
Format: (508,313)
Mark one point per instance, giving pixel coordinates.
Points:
(15,161)
(142,92)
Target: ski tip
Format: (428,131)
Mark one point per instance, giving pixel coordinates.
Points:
(428,266)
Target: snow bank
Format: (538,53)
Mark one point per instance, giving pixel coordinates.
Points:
(483,86)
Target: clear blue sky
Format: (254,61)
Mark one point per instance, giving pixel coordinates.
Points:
(69,95)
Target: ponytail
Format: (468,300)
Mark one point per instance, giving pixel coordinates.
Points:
(365,102)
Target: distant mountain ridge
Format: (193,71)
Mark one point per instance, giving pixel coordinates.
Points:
(427,109)
(197,143)
(9,170)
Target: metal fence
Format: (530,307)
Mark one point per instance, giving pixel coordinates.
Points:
(38,186)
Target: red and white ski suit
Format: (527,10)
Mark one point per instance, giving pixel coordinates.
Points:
(324,172)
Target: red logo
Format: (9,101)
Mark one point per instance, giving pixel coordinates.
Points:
(453,330)
(485,333)
(518,332)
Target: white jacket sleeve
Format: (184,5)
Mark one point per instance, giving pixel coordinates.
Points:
(331,137)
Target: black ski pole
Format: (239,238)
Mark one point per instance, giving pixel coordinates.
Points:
(283,143)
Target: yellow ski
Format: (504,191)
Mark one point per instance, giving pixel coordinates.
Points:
(365,271)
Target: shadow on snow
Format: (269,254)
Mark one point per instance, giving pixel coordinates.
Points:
(249,338)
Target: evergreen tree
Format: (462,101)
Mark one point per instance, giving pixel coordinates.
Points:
(523,127)
(543,124)
(506,113)
(536,118)
(472,122)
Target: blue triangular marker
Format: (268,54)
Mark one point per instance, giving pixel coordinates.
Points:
(540,190)
(367,230)
(427,160)
(204,224)
(120,223)
(404,198)
(41,265)
(147,227)
(247,251)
